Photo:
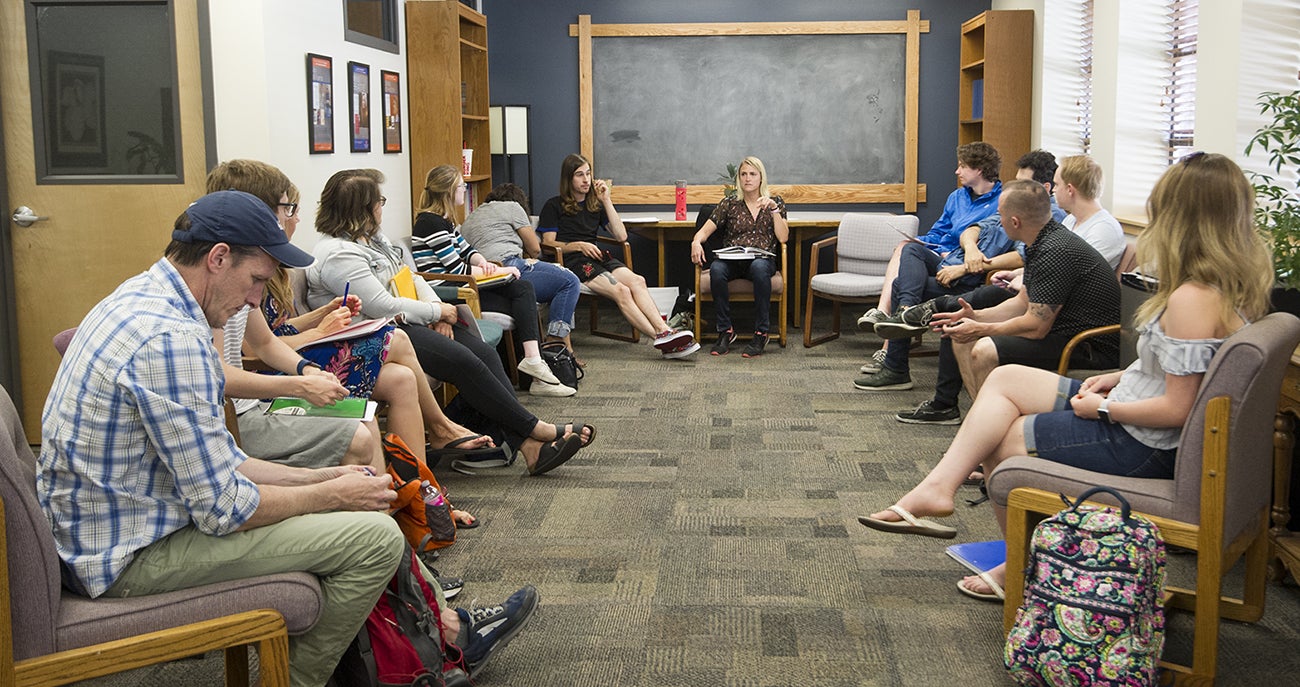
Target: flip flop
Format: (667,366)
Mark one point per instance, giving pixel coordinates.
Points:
(577,431)
(998,594)
(909,525)
(452,450)
(556,453)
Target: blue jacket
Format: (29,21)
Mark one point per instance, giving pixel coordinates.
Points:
(993,239)
(961,210)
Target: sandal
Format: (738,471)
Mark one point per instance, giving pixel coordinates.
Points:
(577,431)
(555,454)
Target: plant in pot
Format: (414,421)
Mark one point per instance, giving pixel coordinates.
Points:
(1277,204)
(728,181)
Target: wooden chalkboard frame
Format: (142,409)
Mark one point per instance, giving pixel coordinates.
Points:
(909,192)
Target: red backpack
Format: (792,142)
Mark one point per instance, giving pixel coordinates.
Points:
(401,642)
(427,524)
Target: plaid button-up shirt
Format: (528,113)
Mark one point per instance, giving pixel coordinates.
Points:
(133,438)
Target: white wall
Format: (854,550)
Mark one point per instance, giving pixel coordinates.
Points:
(259,52)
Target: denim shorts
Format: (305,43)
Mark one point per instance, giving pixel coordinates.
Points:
(1063,437)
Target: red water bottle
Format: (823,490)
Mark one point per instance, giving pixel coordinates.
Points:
(681,200)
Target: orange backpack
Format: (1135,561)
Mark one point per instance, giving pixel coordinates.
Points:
(426,518)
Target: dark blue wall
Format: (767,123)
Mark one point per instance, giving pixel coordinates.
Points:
(533,61)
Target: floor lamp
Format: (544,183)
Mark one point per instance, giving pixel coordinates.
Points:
(508,132)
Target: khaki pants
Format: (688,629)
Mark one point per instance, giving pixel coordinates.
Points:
(353,554)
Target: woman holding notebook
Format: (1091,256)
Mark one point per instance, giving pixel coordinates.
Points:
(437,246)
(753,227)
(357,256)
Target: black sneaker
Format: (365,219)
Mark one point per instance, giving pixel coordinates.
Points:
(885,380)
(929,414)
(491,629)
(907,322)
(725,339)
(755,346)
(451,586)
(870,318)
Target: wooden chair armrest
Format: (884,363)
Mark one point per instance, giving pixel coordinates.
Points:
(785,253)
(814,255)
(1064,365)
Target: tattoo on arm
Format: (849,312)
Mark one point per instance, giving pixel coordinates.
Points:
(1044,312)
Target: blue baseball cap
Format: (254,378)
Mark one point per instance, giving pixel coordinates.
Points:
(240,219)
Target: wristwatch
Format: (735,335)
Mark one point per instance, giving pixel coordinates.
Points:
(1103,411)
(304,364)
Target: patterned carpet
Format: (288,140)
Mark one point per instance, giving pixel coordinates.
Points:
(709,537)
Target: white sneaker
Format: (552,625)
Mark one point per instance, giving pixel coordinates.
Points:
(538,370)
(681,352)
(540,388)
(673,339)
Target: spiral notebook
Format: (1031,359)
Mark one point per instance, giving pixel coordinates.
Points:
(979,556)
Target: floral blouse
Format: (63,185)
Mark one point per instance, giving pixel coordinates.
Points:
(740,228)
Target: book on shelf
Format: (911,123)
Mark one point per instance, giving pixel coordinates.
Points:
(742,253)
(352,407)
(977,99)
(352,331)
(979,556)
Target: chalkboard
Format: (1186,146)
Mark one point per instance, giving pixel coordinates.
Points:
(817,109)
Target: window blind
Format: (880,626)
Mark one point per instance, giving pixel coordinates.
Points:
(1180,91)
(1067,77)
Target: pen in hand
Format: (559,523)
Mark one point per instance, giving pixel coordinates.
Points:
(346,286)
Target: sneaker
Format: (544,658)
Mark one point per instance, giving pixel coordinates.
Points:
(929,414)
(451,586)
(873,365)
(723,346)
(909,322)
(540,388)
(538,370)
(682,351)
(490,629)
(869,319)
(756,344)
(884,380)
(673,339)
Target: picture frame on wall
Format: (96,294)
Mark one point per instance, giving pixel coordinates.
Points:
(391,87)
(359,106)
(77,113)
(320,104)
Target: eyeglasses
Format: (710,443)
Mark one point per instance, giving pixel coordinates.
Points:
(382,201)
(290,208)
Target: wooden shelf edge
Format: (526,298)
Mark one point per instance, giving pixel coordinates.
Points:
(472,16)
(977,64)
(478,177)
(971,122)
(465,43)
(477,118)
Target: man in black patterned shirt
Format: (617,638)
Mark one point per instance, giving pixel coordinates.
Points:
(1068,288)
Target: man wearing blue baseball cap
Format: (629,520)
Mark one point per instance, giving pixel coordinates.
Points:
(145,488)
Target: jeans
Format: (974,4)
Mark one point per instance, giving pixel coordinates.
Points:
(915,284)
(516,299)
(554,285)
(948,388)
(759,271)
(1065,438)
(353,554)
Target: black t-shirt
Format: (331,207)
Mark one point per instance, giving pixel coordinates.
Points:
(1063,269)
(583,226)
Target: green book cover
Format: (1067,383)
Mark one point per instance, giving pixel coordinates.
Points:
(351,407)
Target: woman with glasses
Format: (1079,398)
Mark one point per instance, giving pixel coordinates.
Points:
(438,247)
(1215,276)
(357,256)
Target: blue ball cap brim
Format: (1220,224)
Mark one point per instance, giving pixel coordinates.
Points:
(240,219)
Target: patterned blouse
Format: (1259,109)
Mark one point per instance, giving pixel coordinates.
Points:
(356,361)
(740,228)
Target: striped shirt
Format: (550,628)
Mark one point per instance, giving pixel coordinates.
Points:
(436,246)
(133,437)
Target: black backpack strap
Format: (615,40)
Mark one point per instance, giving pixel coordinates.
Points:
(415,617)
(1125,511)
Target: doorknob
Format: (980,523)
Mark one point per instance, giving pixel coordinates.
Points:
(26,217)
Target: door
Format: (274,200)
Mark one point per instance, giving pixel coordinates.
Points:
(106,147)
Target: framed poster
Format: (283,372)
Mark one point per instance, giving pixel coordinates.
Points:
(77,114)
(359,106)
(320,103)
(391,85)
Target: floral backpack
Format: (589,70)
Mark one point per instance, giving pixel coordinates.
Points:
(1093,612)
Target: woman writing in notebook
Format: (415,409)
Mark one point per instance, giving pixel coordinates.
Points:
(437,246)
(1215,276)
(357,256)
(575,217)
(756,220)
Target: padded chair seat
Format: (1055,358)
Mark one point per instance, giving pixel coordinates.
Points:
(500,319)
(847,285)
(1152,496)
(491,331)
(742,285)
(83,621)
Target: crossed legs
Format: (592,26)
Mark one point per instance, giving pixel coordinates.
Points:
(628,290)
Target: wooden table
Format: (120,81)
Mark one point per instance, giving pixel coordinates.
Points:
(803,226)
(1285,543)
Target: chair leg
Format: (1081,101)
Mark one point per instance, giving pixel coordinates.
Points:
(512,360)
(808,339)
(1017,549)
(237,666)
(782,307)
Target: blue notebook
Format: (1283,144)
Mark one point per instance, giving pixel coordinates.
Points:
(979,556)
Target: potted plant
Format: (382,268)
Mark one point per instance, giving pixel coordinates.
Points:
(728,181)
(1277,210)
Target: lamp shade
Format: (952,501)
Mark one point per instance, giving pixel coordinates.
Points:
(508,129)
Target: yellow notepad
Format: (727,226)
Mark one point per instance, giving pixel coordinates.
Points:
(403,284)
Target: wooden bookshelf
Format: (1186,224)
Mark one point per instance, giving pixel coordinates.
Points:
(447,77)
(997,58)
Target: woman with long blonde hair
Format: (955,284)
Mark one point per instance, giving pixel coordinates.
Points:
(1215,276)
